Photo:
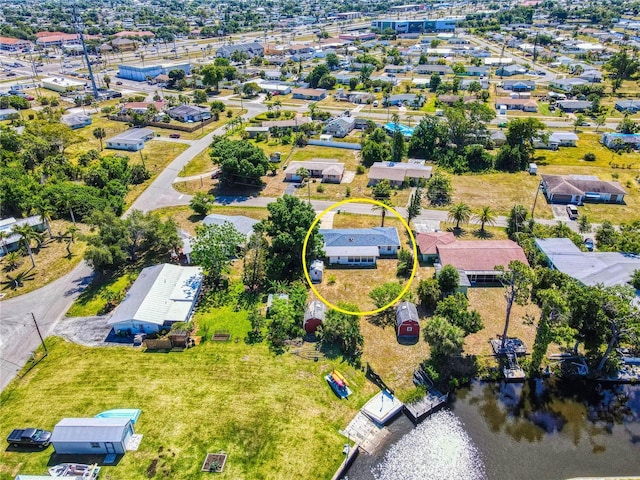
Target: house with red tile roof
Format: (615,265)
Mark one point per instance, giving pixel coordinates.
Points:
(428,244)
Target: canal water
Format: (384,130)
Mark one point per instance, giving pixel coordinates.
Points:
(542,429)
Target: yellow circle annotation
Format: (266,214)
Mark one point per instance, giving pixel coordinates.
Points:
(414,250)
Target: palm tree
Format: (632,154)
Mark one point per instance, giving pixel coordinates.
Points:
(484,216)
(303,173)
(13,260)
(383,210)
(27,234)
(460,212)
(3,236)
(45,210)
(99,133)
(67,198)
(70,235)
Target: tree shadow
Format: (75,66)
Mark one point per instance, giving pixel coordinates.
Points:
(482,234)
(381,319)
(16,281)
(457,232)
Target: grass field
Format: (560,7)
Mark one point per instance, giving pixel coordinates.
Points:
(94,298)
(274,416)
(52,262)
(201,163)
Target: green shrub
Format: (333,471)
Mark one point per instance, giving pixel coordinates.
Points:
(320,188)
(589,157)
(331,280)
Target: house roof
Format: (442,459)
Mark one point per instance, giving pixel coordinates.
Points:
(241,223)
(590,268)
(480,255)
(347,251)
(75,119)
(90,430)
(328,166)
(130,33)
(398,171)
(13,41)
(360,237)
(160,293)
(315,309)
(563,137)
(525,102)
(312,92)
(7,224)
(574,104)
(185,110)
(427,242)
(297,121)
(579,185)
(342,122)
(406,312)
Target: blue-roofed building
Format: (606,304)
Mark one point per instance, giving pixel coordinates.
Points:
(359,246)
(139,73)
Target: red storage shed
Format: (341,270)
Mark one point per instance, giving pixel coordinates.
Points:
(313,316)
(407,321)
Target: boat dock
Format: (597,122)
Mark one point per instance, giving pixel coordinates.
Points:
(431,402)
(513,372)
(382,407)
(364,431)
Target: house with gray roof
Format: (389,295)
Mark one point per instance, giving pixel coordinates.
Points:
(567,84)
(398,172)
(250,49)
(556,140)
(340,127)
(7,113)
(189,113)
(91,436)
(359,246)
(411,99)
(577,189)
(589,268)
(76,120)
(519,85)
(511,70)
(628,106)
(131,140)
(11,243)
(614,140)
(242,224)
(573,106)
(161,296)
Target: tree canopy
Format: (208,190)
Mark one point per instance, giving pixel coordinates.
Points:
(214,248)
(241,162)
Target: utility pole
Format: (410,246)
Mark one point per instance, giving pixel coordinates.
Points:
(46,352)
(79,29)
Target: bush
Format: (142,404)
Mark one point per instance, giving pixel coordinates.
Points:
(139,174)
(229,114)
(201,203)
(360,169)
(347,192)
(589,157)
(320,188)
(415,395)
(635,280)
(331,280)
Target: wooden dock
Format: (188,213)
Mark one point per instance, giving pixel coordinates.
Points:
(365,433)
(431,402)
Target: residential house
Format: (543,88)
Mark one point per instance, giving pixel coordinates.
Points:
(189,113)
(524,104)
(131,140)
(628,106)
(340,127)
(410,99)
(398,173)
(556,140)
(92,436)
(141,107)
(76,120)
(250,49)
(591,76)
(314,94)
(589,268)
(161,296)
(431,69)
(475,71)
(519,85)
(511,70)
(8,113)
(123,44)
(407,321)
(275,88)
(360,246)
(618,140)
(428,244)
(253,132)
(498,137)
(476,260)
(293,124)
(577,189)
(574,106)
(464,84)
(313,316)
(567,84)
(242,224)
(12,241)
(452,99)
(329,170)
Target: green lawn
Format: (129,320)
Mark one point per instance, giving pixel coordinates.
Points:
(274,416)
(201,163)
(92,300)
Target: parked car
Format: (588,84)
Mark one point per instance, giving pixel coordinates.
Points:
(572,211)
(216,174)
(588,242)
(174,135)
(29,437)
(118,83)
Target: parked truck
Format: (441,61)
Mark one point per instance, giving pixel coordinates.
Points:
(29,437)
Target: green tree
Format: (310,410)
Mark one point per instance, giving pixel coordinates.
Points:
(635,279)
(517,280)
(444,339)
(281,325)
(428,292)
(384,294)
(45,210)
(332,61)
(460,212)
(241,162)
(415,205)
(107,80)
(434,82)
(257,322)
(518,151)
(316,74)
(287,225)
(376,148)
(201,203)
(254,260)
(398,147)
(627,126)
(343,331)
(448,279)
(429,138)
(439,189)
(200,97)
(455,309)
(70,237)
(485,216)
(382,209)
(212,75)
(27,235)
(381,190)
(99,133)
(553,316)
(621,66)
(517,220)
(606,236)
(214,248)
(583,224)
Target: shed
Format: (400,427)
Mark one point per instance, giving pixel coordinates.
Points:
(313,316)
(407,320)
(91,435)
(316,271)
(533,169)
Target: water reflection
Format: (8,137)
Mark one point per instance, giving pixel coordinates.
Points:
(438,449)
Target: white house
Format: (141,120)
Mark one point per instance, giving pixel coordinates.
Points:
(87,436)
(359,246)
(62,84)
(131,140)
(161,296)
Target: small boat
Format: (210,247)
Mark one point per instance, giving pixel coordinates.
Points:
(336,373)
(75,470)
(341,389)
(336,378)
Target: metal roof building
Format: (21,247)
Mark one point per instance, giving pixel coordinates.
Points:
(91,435)
(160,296)
(242,224)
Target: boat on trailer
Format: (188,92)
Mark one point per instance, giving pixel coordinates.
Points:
(75,470)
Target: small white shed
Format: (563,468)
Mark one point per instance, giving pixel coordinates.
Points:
(91,435)
(316,271)
(533,169)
